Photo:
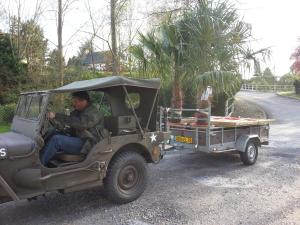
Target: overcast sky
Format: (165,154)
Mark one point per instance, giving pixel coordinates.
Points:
(274,24)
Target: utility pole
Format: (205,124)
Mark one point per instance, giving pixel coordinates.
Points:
(60,47)
(115,63)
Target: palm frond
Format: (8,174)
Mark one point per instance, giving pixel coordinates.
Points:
(221,81)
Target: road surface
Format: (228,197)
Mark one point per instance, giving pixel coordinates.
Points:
(195,188)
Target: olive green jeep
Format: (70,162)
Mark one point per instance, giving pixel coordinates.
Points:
(117,162)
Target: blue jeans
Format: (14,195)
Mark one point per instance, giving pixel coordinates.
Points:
(61,143)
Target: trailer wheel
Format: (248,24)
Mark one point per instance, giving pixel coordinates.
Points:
(249,157)
(126,177)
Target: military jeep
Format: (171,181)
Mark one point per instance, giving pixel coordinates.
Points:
(117,162)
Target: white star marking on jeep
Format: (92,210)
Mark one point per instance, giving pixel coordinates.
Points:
(153,137)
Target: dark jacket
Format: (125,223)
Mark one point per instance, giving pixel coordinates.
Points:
(86,124)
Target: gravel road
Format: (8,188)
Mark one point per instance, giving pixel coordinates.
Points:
(195,188)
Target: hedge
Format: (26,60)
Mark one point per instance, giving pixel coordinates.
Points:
(7,113)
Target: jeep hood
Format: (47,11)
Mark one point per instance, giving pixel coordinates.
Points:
(16,144)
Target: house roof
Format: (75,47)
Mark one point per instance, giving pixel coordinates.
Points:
(106,82)
(96,57)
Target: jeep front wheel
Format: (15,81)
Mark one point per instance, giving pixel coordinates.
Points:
(126,177)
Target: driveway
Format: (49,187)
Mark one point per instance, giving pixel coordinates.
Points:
(195,188)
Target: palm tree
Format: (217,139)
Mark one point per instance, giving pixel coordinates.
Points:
(202,46)
(250,57)
(161,53)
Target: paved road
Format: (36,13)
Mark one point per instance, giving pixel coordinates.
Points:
(195,188)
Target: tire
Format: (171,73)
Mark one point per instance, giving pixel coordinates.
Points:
(249,157)
(126,177)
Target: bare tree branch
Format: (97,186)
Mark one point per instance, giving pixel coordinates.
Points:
(101,38)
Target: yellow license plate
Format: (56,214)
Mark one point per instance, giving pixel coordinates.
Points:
(182,139)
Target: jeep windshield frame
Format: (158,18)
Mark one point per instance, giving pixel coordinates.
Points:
(30,113)
(31,106)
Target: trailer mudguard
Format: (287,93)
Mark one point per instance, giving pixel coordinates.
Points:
(241,142)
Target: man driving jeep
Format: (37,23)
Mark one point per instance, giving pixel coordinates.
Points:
(85,125)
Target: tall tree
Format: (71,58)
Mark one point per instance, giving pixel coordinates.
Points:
(296,58)
(113,18)
(62,9)
(296,69)
(17,24)
(59,41)
(52,62)
(87,49)
(30,44)
(33,48)
(11,70)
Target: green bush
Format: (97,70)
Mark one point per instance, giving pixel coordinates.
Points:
(10,97)
(297,86)
(7,113)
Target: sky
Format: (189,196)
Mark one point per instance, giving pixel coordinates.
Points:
(274,24)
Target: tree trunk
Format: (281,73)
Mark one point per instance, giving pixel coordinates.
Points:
(115,64)
(92,55)
(19,32)
(177,96)
(60,47)
(176,102)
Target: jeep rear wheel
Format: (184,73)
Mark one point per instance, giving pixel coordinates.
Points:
(126,177)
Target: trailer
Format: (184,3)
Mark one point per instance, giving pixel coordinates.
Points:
(211,134)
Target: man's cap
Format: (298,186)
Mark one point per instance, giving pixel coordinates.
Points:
(83,95)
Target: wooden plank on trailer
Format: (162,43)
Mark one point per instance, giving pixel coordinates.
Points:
(238,122)
(218,121)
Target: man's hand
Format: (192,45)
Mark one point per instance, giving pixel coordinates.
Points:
(51,115)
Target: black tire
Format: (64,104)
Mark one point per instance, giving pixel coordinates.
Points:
(126,177)
(249,157)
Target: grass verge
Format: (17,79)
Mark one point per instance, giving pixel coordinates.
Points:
(289,94)
(4,128)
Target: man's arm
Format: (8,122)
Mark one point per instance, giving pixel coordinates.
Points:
(85,121)
(54,122)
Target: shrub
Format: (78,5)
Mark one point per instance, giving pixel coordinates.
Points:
(297,86)
(10,97)
(7,113)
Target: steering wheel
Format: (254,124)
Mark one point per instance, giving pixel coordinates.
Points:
(48,126)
